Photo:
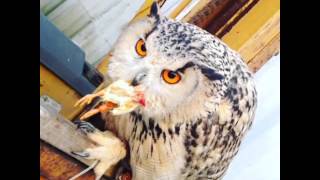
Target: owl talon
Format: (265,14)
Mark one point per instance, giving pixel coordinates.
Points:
(85,126)
(82,154)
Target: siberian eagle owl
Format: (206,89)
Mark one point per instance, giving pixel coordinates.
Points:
(200,99)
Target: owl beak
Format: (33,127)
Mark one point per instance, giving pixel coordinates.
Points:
(137,80)
(139,88)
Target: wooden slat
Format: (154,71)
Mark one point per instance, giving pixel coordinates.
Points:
(265,54)
(205,12)
(55,165)
(261,38)
(229,15)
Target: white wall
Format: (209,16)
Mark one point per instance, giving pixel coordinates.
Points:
(259,155)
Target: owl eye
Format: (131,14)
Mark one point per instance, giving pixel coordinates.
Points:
(141,48)
(170,77)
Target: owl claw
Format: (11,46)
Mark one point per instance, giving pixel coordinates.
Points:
(85,126)
(83,154)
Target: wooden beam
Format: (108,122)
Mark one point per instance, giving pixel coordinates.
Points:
(256,36)
(55,165)
(205,12)
(265,54)
(62,134)
(261,38)
(233,11)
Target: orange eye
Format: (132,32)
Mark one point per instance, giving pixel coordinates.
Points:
(141,48)
(170,77)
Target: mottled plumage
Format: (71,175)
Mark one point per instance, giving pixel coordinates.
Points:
(188,130)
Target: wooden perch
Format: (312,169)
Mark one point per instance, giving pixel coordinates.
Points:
(62,133)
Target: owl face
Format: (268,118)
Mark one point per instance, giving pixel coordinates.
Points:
(156,54)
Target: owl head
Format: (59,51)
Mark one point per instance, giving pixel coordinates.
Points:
(176,64)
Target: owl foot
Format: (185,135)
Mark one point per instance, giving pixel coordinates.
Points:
(104,157)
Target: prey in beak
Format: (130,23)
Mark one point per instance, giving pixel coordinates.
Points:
(139,95)
(120,97)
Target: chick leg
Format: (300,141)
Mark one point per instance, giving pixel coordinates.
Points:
(87,99)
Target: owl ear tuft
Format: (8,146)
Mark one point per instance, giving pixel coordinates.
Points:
(154,10)
(210,73)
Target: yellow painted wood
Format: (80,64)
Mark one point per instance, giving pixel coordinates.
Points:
(261,38)
(58,90)
(251,23)
(237,14)
(265,54)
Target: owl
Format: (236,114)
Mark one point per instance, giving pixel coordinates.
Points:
(200,99)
